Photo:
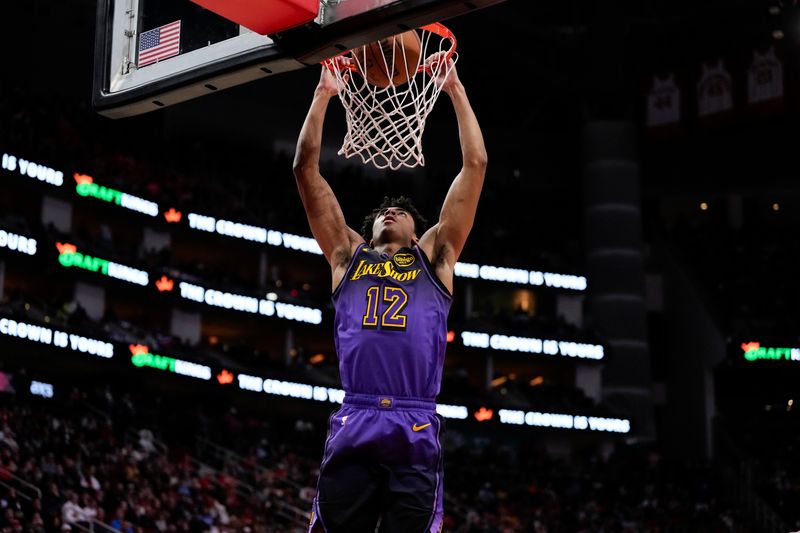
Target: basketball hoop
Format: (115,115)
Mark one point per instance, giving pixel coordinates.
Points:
(385,124)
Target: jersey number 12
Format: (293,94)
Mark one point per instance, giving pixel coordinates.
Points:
(394,300)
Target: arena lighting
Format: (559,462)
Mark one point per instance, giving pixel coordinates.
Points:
(753,351)
(69,256)
(33,170)
(472,339)
(563,421)
(85,186)
(17,243)
(249,304)
(303,391)
(39,388)
(523,277)
(53,337)
(141,356)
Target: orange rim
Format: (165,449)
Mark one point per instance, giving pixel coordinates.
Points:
(337,62)
(444,32)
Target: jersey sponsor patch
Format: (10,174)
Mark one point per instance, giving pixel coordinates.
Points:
(404,259)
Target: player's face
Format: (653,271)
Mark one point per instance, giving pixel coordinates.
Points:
(393,223)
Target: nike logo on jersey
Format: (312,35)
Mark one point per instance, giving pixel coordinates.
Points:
(420,428)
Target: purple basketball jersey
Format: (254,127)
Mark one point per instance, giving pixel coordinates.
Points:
(391,324)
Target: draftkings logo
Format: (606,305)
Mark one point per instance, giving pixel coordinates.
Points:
(753,351)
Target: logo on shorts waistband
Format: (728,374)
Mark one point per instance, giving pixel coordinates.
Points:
(386,402)
(416,428)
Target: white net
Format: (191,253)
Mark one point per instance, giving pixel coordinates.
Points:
(385,124)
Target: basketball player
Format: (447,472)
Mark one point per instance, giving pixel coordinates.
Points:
(392,289)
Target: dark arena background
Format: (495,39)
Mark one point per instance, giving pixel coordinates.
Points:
(623,350)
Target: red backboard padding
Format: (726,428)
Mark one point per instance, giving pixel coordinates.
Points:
(264,16)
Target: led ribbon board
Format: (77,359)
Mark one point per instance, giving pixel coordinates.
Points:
(253,233)
(303,391)
(69,256)
(249,304)
(472,339)
(141,357)
(53,337)
(520,276)
(306,244)
(309,245)
(85,186)
(17,243)
(33,170)
(753,351)
(564,421)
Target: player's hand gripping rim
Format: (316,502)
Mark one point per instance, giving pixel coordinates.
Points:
(329,83)
(442,69)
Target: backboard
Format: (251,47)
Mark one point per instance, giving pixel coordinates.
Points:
(154,53)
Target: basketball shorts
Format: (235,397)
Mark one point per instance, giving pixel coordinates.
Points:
(382,465)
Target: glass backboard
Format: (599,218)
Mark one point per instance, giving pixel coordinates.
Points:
(154,53)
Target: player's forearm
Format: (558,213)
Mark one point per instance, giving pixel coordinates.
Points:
(473,149)
(310,140)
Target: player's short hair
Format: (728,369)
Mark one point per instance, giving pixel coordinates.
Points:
(420,224)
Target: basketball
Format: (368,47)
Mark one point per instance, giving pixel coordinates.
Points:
(390,61)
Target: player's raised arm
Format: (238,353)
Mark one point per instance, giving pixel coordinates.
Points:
(322,208)
(444,241)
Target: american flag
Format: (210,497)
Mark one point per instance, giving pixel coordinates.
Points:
(159,43)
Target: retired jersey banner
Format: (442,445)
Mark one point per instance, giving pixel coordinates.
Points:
(714,90)
(764,78)
(663,102)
